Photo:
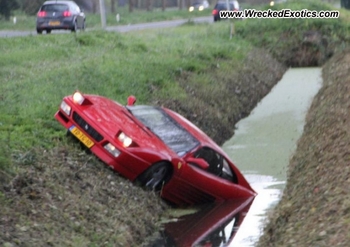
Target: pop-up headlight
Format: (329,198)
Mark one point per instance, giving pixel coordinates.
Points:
(78,98)
(65,107)
(112,150)
(124,139)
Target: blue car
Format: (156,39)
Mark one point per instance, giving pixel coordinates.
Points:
(55,15)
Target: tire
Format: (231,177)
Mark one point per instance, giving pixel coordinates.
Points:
(75,27)
(48,31)
(39,31)
(155,176)
(83,27)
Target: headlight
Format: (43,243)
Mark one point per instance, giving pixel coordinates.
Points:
(78,98)
(112,150)
(191,9)
(124,139)
(201,8)
(65,107)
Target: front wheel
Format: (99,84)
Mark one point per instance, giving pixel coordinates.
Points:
(156,176)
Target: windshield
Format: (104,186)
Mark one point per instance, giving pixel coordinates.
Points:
(166,128)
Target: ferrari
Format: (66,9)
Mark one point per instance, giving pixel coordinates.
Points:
(154,147)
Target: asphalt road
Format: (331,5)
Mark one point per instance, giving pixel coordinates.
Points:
(122,29)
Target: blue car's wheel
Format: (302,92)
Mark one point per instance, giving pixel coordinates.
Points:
(75,26)
(156,176)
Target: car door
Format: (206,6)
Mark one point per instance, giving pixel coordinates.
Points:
(217,164)
(209,172)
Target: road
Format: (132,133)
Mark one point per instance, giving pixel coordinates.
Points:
(122,29)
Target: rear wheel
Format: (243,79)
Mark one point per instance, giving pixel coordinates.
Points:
(39,31)
(48,31)
(156,176)
(75,27)
(83,26)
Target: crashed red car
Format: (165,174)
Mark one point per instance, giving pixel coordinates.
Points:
(154,147)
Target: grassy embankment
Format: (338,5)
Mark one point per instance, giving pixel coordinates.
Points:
(190,62)
(299,42)
(53,187)
(25,22)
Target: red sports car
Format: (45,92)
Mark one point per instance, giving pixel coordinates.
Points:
(154,147)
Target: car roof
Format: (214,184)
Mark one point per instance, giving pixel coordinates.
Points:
(234,3)
(60,2)
(223,1)
(230,2)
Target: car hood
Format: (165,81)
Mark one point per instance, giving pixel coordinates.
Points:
(112,117)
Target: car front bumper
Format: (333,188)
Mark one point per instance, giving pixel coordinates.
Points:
(127,164)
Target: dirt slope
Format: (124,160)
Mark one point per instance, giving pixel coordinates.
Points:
(315,208)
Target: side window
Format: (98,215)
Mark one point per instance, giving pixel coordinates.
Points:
(218,165)
(227,173)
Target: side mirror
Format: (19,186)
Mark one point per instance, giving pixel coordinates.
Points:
(199,162)
(131,100)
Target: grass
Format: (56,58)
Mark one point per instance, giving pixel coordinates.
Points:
(114,65)
(284,38)
(25,22)
(281,35)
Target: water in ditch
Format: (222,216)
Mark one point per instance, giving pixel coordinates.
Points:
(265,141)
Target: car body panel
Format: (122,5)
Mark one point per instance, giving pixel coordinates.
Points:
(176,141)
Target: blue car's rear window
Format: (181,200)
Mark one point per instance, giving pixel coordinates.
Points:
(54,7)
(166,128)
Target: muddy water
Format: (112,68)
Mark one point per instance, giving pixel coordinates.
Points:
(264,142)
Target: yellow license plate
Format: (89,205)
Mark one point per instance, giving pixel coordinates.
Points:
(54,23)
(81,136)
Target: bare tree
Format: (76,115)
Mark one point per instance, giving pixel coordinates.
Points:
(113,6)
(163,5)
(180,3)
(148,5)
(94,6)
(7,7)
(131,5)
